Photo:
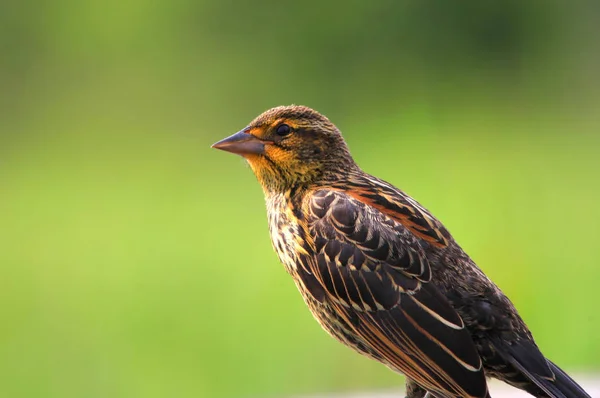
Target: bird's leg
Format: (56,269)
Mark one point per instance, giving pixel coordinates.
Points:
(414,391)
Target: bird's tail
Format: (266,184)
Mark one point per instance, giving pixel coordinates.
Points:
(549,380)
(560,386)
(564,384)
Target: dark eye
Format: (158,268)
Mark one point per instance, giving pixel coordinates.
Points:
(283,130)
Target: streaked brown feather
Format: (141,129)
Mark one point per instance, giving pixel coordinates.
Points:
(401,208)
(373,267)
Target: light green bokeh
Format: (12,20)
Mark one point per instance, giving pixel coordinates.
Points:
(135,260)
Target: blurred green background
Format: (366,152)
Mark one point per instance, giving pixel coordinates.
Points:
(135,260)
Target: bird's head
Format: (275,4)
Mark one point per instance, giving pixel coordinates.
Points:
(290,146)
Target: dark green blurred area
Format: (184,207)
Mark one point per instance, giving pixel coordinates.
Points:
(135,260)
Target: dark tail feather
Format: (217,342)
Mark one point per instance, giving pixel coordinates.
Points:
(566,384)
(563,386)
(525,357)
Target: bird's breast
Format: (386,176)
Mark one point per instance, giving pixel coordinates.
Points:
(285,231)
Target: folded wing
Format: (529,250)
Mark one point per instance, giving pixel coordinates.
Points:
(374,272)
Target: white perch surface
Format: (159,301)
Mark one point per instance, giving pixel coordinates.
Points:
(497,389)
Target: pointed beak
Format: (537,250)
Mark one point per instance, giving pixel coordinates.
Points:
(241,143)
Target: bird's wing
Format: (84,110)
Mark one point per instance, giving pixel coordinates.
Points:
(374,272)
(398,206)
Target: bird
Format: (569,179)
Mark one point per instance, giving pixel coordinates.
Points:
(380,273)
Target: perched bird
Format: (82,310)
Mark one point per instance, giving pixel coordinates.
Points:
(380,273)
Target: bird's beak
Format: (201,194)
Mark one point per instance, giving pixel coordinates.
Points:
(241,143)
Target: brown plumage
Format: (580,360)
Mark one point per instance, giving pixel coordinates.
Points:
(380,273)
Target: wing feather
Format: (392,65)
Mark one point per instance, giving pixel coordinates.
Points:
(374,270)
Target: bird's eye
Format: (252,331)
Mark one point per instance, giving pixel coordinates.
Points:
(283,130)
